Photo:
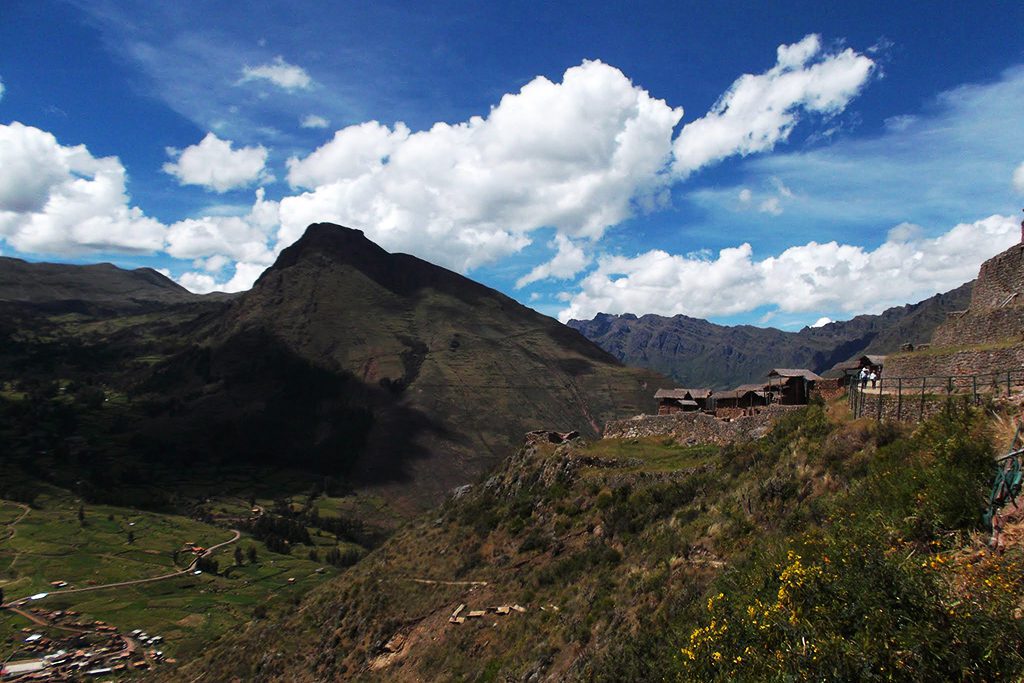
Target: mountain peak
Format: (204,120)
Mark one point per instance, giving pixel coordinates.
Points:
(335,242)
(326,245)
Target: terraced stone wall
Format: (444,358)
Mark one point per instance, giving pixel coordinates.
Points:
(698,428)
(934,363)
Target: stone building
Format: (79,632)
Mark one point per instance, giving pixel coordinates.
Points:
(792,386)
(987,338)
(681,400)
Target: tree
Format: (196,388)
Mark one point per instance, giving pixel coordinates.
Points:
(252,554)
(81,515)
(131,537)
(238,556)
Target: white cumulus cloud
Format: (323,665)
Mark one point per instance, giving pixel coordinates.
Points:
(213,164)
(353,152)
(803,278)
(758,111)
(1,88)
(1018,179)
(569,260)
(578,156)
(218,239)
(245,274)
(280,73)
(314,121)
(62,200)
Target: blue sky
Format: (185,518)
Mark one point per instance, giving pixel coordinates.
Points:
(773,165)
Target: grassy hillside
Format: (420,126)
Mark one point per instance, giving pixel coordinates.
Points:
(830,549)
(61,538)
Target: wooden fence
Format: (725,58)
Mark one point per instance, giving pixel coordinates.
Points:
(912,393)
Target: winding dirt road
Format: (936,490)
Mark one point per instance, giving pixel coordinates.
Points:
(12,528)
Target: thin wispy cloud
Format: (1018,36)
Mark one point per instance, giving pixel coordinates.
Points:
(314,121)
(956,159)
(280,73)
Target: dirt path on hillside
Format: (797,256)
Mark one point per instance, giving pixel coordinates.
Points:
(437,582)
(12,528)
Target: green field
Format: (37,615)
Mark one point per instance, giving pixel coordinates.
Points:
(51,543)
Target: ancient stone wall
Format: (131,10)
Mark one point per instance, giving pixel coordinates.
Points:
(999,277)
(698,428)
(988,326)
(930,363)
(996,312)
(828,390)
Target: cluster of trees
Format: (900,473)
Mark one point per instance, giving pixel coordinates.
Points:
(207,564)
(279,533)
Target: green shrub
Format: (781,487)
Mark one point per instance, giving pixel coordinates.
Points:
(871,595)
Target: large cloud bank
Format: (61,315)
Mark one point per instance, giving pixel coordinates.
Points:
(578,156)
(63,200)
(805,278)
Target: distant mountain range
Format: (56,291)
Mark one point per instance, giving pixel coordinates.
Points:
(101,284)
(698,353)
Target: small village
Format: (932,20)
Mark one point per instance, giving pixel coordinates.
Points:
(67,647)
(782,386)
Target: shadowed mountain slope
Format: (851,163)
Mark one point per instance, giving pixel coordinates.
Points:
(696,352)
(440,374)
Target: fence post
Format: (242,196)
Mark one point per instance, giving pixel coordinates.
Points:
(899,398)
(974,382)
(1007,382)
(920,418)
(879,416)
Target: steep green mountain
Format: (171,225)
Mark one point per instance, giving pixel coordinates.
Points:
(695,352)
(436,376)
(378,371)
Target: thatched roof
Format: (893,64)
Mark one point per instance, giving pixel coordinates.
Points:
(794,372)
(680,394)
(735,393)
(847,367)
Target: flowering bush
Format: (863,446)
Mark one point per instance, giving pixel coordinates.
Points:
(881,591)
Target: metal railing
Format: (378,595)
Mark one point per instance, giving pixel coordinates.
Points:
(912,393)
